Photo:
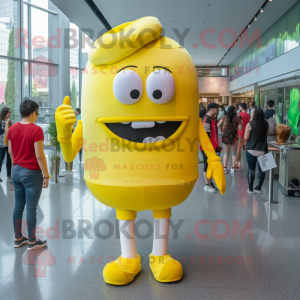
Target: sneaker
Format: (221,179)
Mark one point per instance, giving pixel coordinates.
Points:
(233,170)
(226,171)
(213,186)
(200,161)
(8,179)
(37,245)
(1,180)
(250,192)
(208,188)
(21,242)
(257,190)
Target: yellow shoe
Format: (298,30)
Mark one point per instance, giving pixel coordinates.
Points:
(165,268)
(122,271)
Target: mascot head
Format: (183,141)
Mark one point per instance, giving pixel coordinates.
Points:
(140,87)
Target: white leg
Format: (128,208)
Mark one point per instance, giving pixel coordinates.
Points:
(160,236)
(127,238)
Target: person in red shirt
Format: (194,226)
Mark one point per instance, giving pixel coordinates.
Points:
(29,164)
(246,119)
(211,128)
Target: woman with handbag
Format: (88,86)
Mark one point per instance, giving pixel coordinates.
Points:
(230,124)
(256,135)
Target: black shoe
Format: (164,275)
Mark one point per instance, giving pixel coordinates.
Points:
(37,245)
(200,161)
(257,190)
(1,180)
(21,242)
(213,186)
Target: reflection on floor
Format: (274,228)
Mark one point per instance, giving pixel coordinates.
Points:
(260,263)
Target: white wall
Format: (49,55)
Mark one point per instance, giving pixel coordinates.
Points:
(214,85)
(271,71)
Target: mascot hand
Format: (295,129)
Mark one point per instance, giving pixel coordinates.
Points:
(215,169)
(65,118)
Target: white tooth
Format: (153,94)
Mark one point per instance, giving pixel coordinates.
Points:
(159,138)
(148,140)
(137,125)
(160,122)
(125,122)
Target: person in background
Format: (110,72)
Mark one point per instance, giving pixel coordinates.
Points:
(256,134)
(221,113)
(231,122)
(237,109)
(202,111)
(30,172)
(5,121)
(251,110)
(210,126)
(241,142)
(270,112)
(77,114)
(226,107)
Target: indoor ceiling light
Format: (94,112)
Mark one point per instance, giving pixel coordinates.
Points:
(255,18)
(249,26)
(261,10)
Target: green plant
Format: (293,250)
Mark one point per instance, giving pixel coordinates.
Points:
(52,130)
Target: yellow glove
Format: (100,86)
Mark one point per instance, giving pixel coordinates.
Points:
(65,119)
(215,169)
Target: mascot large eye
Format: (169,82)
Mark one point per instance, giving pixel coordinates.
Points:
(128,87)
(160,86)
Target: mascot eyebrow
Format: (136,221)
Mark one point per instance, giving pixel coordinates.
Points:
(162,68)
(126,67)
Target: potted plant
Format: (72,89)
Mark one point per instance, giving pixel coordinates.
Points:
(52,131)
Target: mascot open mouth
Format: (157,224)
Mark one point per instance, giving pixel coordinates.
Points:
(158,131)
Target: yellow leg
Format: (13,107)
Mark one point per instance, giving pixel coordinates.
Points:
(162,265)
(123,270)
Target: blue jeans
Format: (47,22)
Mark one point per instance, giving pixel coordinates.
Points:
(28,186)
(252,160)
(3,151)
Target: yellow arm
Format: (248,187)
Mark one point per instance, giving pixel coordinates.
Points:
(70,149)
(215,168)
(205,141)
(65,118)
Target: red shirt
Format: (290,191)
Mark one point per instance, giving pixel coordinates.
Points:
(22,138)
(246,119)
(211,128)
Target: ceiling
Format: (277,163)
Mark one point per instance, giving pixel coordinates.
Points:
(179,15)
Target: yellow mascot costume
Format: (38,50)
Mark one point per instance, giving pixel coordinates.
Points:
(139,133)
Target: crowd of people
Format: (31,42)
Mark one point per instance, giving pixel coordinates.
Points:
(241,129)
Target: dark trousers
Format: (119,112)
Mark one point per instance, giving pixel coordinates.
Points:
(3,151)
(28,186)
(252,160)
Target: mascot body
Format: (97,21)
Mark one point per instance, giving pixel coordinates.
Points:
(140,131)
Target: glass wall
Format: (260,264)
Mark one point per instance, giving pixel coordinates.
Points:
(280,38)
(33,71)
(80,45)
(280,92)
